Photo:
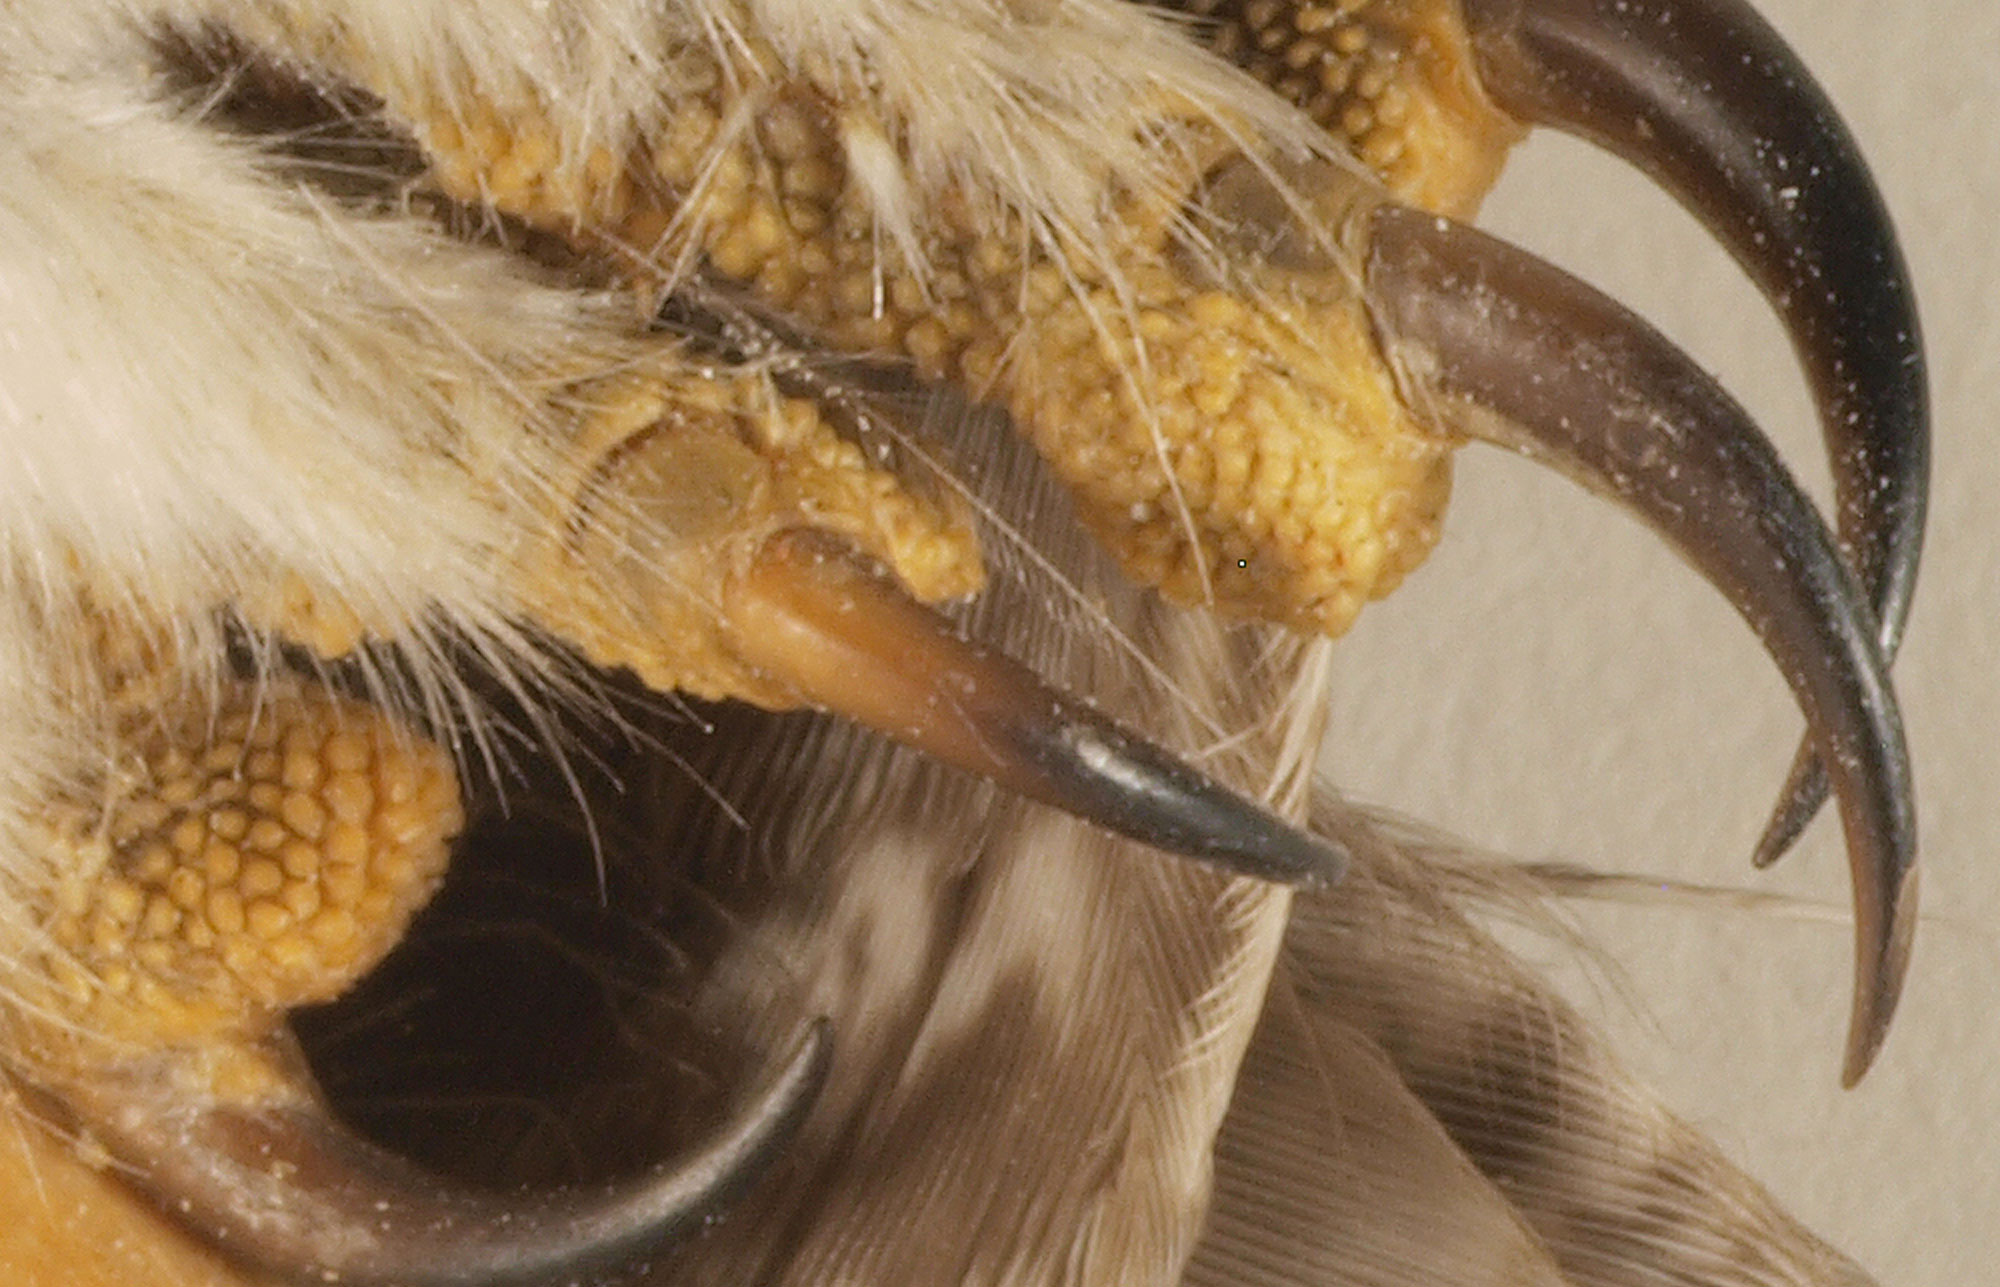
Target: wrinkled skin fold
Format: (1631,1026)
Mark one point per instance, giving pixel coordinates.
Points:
(682,640)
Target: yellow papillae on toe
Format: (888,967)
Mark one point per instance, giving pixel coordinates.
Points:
(1235,443)
(237,868)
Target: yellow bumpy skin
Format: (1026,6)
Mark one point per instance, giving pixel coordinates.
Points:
(1234,444)
(1227,450)
(226,871)
(1391,77)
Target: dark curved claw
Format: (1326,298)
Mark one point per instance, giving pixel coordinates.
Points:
(1709,101)
(1513,351)
(287,1188)
(814,615)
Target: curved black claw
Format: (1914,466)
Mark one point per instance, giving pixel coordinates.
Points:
(1511,350)
(1708,100)
(288,1189)
(815,616)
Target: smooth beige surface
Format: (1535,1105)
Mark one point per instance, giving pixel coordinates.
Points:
(1556,685)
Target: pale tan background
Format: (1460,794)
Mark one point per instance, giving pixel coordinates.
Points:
(1555,684)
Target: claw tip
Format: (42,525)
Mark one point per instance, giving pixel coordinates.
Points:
(1880,968)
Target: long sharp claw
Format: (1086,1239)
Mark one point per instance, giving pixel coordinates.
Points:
(1708,100)
(1513,351)
(288,1188)
(814,616)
